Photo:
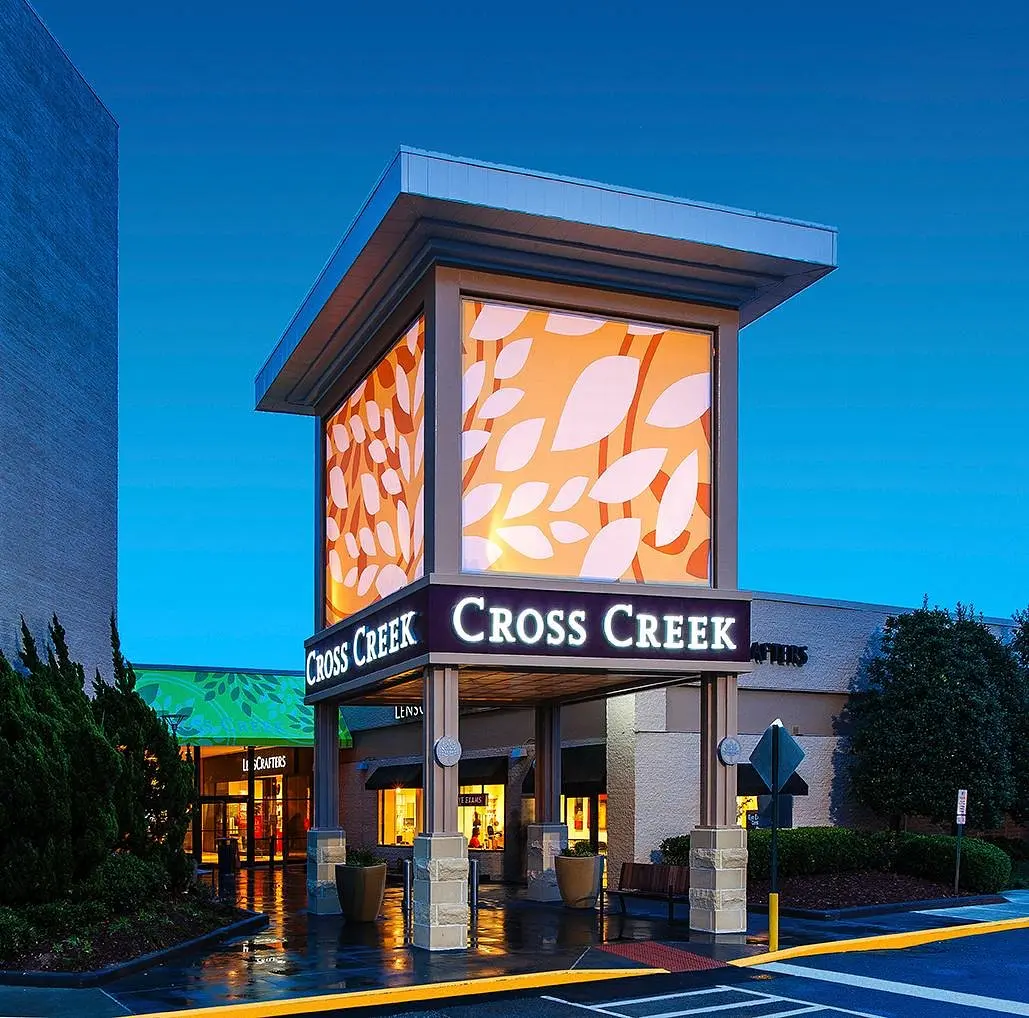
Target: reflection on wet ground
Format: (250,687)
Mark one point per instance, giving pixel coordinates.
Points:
(300,954)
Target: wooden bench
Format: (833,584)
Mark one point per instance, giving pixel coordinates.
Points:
(653,881)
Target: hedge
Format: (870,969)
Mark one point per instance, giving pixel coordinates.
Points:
(807,851)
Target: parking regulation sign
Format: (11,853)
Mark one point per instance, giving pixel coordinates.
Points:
(962,804)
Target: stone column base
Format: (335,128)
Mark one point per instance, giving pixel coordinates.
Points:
(718,880)
(441,892)
(325,848)
(544,842)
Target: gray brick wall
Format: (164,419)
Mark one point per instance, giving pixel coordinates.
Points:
(58,344)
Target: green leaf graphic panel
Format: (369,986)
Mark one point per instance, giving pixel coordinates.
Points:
(233,708)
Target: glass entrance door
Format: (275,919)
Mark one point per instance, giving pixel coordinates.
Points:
(222,816)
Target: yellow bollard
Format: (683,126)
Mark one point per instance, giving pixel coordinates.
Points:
(773,922)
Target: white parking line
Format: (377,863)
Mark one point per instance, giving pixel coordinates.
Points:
(905,989)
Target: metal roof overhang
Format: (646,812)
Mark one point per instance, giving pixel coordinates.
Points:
(429,208)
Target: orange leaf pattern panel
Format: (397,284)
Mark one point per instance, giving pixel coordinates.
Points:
(374,482)
(586,446)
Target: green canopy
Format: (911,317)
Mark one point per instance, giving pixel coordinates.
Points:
(221,708)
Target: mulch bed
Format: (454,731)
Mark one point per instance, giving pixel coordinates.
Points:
(848,890)
(153,927)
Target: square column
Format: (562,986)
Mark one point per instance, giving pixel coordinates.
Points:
(326,840)
(548,836)
(440,851)
(718,847)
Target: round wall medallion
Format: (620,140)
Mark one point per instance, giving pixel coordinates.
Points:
(447,751)
(730,752)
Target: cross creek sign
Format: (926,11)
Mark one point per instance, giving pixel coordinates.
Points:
(485,625)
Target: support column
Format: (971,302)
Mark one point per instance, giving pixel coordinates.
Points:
(718,847)
(326,840)
(547,836)
(441,850)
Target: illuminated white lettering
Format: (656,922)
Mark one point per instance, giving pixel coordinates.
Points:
(576,623)
(358,660)
(721,639)
(369,643)
(407,637)
(394,635)
(311,659)
(500,625)
(555,627)
(698,632)
(673,632)
(537,622)
(458,622)
(646,630)
(384,639)
(609,632)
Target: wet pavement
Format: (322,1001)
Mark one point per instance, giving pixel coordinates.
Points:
(300,954)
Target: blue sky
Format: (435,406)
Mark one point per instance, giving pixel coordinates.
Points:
(884,420)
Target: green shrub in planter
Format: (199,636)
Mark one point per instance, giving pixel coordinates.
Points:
(580,850)
(676,851)
(804,851)
(362,857)
(985,869)
(122,881)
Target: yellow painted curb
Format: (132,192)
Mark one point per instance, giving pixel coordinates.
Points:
(884,942)
(406,994)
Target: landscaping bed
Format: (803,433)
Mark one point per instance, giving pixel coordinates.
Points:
(827,891)
(83,938)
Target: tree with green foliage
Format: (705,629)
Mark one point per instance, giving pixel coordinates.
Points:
(1018,717)
(935,718)
(154,793)
(57,770)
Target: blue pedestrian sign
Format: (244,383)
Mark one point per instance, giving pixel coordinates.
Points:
(790,756)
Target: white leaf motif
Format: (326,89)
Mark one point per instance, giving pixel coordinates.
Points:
(519,444)
(677,502)
(385,536)
(638,329)
(682,402)
(497,321)
(528,541)
(525,498)
(412,337)
(367,541)
(478,553)
(377,450)
(340,437)
(391,579)
(391,482)
(366,580)
(566,532)
(335,566)
(419,446)
(479,501)
(419,568)
(358,394)
(391,427)
(351,544)
(338,488)
(572,325)
(570,493)
(374,415)
(419,385)
(357,429)
(404,531)
(628,476)
(472,443)
(512,358)
(598,402)
(403,391)
(611,552)
(405,458)
(331,529)
(500,402)
(351,578)
(370,491)
(471,385)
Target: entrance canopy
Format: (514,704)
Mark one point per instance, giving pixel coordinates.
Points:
(207,707)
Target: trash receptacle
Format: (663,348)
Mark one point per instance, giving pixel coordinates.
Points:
(228,855)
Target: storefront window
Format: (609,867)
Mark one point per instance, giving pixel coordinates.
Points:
(400,815)
(580,814)
(480,816)
(745,804)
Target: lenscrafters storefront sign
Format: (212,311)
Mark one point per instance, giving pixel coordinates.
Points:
(453,621)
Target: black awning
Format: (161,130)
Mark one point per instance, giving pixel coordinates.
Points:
(583,772)
(488,770)
(749,782)
(396,776)
(485,770)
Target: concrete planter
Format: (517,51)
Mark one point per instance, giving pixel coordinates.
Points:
(360,890)
(578,879)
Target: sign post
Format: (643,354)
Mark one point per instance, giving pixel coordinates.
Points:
(776,757)
(961,813)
